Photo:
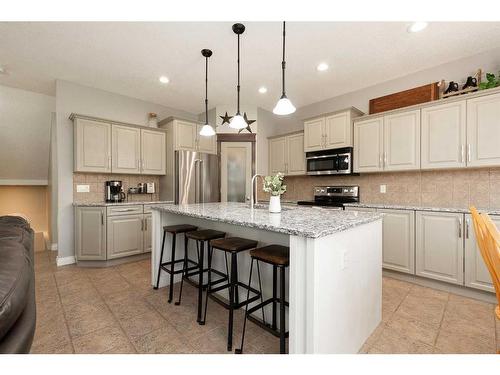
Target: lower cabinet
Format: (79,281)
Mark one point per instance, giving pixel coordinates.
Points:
(440,246)
(148,224)
(90,233)
(476,273)
(125,235)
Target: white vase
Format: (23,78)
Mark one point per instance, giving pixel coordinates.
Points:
(274,204)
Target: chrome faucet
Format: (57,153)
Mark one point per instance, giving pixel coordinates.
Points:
(252,203)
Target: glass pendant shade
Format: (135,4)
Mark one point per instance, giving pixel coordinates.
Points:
(284,106)
(207,130)
(238,122)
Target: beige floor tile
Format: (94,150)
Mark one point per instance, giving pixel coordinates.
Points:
(478,326)
(87,295)
(413,329)
(391,342)
(68,274)
(143,324)
(163,340)
(425,309)
(213,343)
(100,341)
(125,348)
(83,318)
(114,283)
(470,309)
(424,292)
(52,348)
(453,342)
(128,308)
(372,338)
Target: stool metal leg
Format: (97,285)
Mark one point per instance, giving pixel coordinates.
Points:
(232,290)
(209,282)
(275,295)
(159,263)
(184,268)
(200,280)
(282,310)
(172,265)
(240,350)
(261,295)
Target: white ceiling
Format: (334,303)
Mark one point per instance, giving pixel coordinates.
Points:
(127,58)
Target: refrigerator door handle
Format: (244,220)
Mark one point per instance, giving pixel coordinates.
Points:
(196,182)
(202,188)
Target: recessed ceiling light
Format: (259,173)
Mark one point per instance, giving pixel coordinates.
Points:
(164,79)
(415,27)
(262,90)
(322,67)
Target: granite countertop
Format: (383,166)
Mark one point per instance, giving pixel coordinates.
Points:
(420,208)
(104,204)
(299,221)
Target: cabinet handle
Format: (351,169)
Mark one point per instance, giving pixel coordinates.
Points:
(462,153)
(468,153)
(379,160)
(467,228)
(385,159)
(126,210)
(459,228)
(145,224)
(109,162)
(102,218)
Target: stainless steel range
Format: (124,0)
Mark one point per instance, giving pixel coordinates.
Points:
(333,196)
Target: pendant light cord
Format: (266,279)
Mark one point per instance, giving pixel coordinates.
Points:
(238,87)
(283,64)
(206,90)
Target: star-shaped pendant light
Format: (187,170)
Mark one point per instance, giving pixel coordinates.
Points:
(226,118)
(249,122)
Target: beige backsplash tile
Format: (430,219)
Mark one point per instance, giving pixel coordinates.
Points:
(445,188)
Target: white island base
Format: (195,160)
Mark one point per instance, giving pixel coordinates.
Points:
(334,281)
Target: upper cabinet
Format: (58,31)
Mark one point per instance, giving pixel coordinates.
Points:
(187,137)
(368,145)
(106,147)
(330,131)
(92,146)
(443,135)
(286,154)
(483,131)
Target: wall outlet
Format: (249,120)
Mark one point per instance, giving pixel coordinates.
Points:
(383,189)
(83,188)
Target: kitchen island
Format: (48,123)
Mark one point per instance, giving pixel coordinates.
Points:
(335,274)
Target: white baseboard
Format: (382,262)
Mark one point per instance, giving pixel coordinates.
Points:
(53,247)
(65,261)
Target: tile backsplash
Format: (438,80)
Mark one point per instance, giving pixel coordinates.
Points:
(96,182)
(444,188)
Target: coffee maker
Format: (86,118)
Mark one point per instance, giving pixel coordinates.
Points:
(114,192)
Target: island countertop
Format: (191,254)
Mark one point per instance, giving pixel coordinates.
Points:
(298,221)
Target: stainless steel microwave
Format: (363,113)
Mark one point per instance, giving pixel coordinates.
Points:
(327,162)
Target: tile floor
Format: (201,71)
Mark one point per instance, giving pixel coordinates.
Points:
(114,310)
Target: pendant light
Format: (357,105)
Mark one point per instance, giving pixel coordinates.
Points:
(207,130)
(284,105)
(238,122)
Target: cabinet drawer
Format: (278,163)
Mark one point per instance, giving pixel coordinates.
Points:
(124,210)
(147,207)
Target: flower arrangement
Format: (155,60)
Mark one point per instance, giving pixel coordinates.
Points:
(274,184)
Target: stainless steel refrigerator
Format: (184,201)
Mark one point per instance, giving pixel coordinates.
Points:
(196,177)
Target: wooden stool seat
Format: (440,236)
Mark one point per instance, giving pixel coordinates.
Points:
(272,254)
(233,244)
(205,234)
(180,228)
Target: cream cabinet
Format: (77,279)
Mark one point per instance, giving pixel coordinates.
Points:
(286,155)
(402,141)
(153,152)
(124,235)
(444,136)
(440,246)
(330,131)
(92,146)
(368,145)
(483,131)
(148,224)
(186,137)
(476,273)
(126,148)
(90,233)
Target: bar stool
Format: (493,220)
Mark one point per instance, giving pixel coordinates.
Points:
(200,236)
(170,265)
(279,257)
(233,246)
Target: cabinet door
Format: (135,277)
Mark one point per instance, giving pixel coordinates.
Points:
(483,131)
(148,223)
(153,152)
(338,130)
(125,235)
(185,135)
(90,233)
(476,274)
(399,240)
(440,246)
(92,146)
(296,158)
(402,141)
(314,131)
(443,136)
(277,155)
(206,144)
(368,145)
(126,149)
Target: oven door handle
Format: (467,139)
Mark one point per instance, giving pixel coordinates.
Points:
(321,157)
